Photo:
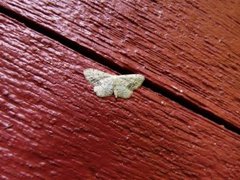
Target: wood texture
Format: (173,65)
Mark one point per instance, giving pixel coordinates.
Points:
(53,126)
(189,47)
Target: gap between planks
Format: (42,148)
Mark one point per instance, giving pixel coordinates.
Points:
(106,62)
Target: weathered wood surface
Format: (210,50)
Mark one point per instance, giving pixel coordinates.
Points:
(53,126)
(190,48)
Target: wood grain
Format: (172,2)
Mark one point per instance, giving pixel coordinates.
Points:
(190,48)
(53,126)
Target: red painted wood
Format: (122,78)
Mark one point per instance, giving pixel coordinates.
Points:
(189,47)
(52,126)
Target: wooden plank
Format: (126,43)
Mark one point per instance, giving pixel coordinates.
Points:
(53,126)
(190,48)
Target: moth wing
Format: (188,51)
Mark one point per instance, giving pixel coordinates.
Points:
(104,87)
(132,81)
(94,76)
(122,92)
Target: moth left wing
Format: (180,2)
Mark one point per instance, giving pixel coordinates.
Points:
(94,76)
(104,88)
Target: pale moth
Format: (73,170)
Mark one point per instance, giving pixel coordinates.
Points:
(105,84)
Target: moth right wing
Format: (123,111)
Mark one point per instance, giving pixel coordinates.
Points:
(132,81)
(94,76)
(122,92)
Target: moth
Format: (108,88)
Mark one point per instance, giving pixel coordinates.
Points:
(105,84)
